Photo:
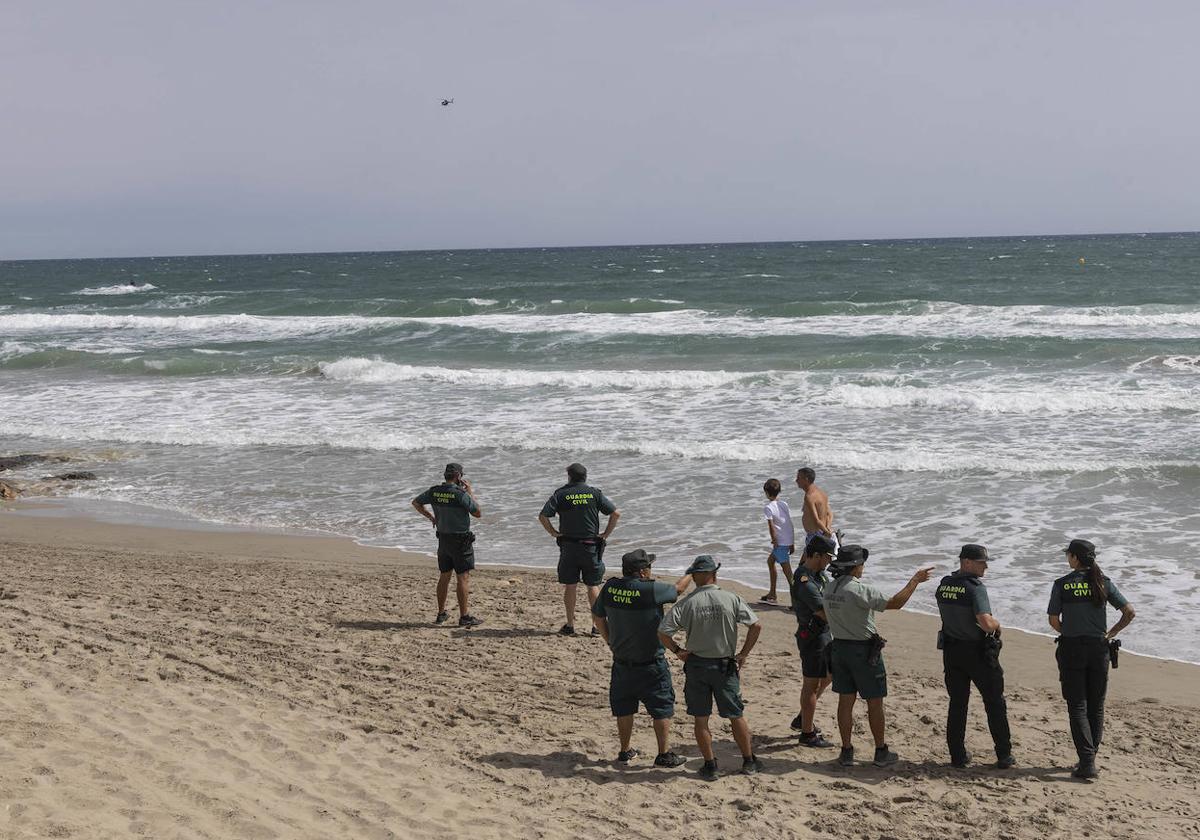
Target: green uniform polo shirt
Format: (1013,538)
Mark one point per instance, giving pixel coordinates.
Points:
(850,607)
(452,507)
(1071,598)
(633,608)
(961,597)
(710,617)
(578,507)
(807,599)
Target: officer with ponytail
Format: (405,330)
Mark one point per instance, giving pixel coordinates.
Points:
(1077,612)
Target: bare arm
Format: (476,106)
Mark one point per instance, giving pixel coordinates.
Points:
(466,485)
(421,509)
(901,598)
(611,524)
(682,584)
(669,643)
(1056,623)
(1127,615)
(771,531)
(550,529)
(601,625)
(751,640)
(987,623)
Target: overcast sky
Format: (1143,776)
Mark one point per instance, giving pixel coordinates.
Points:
(137,127)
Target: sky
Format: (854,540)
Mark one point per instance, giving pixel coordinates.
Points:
(153,127)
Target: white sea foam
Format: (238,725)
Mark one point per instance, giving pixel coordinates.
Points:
(944,320)
(376,371)
(119,289)
(482,301)
(1046,398)
(12,349)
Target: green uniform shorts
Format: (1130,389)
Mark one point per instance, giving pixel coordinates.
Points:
(648,684)
(853,675)
(706,680)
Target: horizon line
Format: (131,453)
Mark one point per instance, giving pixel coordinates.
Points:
(615,245)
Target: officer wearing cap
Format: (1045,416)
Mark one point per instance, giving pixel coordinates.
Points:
(812,635)
(970,643)
(578,506)
(627,614)
(1077,611)
(711,661)
(453,504)
(858,667)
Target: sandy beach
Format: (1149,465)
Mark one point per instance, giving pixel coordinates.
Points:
(172,683)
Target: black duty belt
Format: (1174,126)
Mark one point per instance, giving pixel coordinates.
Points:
(628,663)
(863,642)
(588,540)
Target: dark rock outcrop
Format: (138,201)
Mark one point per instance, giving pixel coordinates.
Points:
(17,461)
(82,475)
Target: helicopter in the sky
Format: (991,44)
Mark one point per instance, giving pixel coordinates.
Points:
(446,102)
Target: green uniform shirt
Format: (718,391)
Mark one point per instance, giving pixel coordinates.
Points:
(633,608)
(578,506)
(850,607)
(1071,598)
(961,597)
(452,507)
(807,587)
(710,617)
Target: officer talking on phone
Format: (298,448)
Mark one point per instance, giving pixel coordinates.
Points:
(453,504)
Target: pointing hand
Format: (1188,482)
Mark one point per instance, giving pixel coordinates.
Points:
(922,575)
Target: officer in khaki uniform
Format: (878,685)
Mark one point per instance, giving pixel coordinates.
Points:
(970,643)
(858,667)
(710,616)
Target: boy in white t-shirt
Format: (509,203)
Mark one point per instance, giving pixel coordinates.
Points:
(783,536)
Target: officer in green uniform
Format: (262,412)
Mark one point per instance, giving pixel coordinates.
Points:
(710,616)
(578,506)
(453,506)
(1077,611)
(970,643)
(858,667)
(812,635)
(627,614)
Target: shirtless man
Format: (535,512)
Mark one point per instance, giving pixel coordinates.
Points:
(816,517)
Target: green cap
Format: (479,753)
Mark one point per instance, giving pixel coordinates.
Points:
(703,563)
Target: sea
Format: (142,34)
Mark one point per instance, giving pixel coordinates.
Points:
(1015,392)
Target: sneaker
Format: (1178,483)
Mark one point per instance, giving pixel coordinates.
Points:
(669,759)
(1006,763)
(1085,770)
(751,765)
(814,739)
(626,756)
(594,632)
(442,617)
(566,630)
(469,621)
(884,757)
(709,772)
(798,723)
(846,757)
(961,761)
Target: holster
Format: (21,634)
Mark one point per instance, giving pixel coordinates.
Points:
(878,643)
(1114,651)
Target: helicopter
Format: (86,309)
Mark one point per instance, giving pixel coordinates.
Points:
(446,102)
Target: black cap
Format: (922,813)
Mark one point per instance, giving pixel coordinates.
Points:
(453,470)
(1082,549)
(636,560)
(821,544)
(703,563)
(974,551)
(577,470)
(849,556)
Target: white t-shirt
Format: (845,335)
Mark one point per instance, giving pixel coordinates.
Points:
(779,514)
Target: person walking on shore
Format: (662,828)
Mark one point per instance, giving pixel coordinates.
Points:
(812,635)
(970,643)
(578,506)
(782,533)
(627,613)
(816,516)
(453,504)
(711,662)
(858,666)
(1077,611)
